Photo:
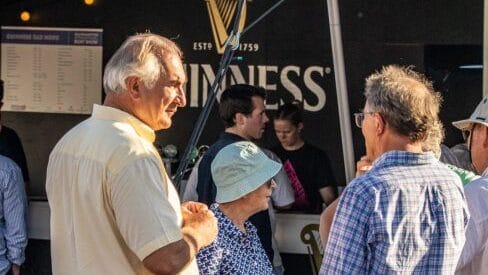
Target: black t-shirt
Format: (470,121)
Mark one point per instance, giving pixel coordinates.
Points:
(11,147)
(313,170)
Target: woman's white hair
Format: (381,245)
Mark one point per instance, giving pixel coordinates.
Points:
(140,55)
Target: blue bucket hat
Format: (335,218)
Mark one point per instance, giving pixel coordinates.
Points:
(240,168)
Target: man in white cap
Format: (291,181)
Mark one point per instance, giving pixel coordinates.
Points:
(474,258)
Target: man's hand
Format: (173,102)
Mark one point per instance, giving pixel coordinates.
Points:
(193,207)
(199,222)
(363,165)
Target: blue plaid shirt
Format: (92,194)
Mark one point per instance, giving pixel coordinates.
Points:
(233,252)
(13,207)
(406,215)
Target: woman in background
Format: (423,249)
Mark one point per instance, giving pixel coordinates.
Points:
(307,166)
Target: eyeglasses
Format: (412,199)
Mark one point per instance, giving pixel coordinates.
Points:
(359,118)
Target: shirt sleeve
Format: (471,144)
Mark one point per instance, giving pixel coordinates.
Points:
(476,231)
(190,193)
(15,207)
(283,194)
(472,245)
(209,259)
(141,203)
(324,171)
(206,187)
(346,251)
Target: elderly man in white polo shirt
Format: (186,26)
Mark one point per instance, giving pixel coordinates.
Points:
(474,258)
(114,209)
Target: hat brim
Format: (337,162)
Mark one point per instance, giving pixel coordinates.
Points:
(466,124)
(248,184)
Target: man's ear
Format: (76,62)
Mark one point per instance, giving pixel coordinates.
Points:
(485,134)
(300,126)
(379,123)
(133,86)
(239,118)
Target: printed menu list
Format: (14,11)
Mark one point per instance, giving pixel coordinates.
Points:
(53,70)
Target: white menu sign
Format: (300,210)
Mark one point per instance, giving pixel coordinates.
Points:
(53,70)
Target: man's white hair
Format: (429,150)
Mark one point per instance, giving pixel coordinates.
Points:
(140,55)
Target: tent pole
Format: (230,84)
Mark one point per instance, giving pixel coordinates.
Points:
(341,87)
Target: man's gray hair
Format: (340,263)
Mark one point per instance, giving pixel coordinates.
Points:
(140,55)
(406,100)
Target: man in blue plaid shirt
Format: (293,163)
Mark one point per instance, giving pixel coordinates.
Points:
(407,214)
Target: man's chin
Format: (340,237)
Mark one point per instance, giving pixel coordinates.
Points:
(164,125)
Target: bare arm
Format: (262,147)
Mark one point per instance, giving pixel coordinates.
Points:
(173,257)
(199,230)
(326,220)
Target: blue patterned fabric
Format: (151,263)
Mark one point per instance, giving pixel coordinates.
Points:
(233,252)
(13,207)
(406,215)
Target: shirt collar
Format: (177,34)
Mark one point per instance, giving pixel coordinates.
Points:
(485,173)
(224,221)
(404,158)
(231,136)
(110,113)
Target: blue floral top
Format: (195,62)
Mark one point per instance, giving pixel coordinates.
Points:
(233,252)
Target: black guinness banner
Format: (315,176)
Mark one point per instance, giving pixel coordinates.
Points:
(288,53)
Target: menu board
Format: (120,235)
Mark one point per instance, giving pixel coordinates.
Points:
(53,70)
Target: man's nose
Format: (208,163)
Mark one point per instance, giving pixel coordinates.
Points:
(181,97)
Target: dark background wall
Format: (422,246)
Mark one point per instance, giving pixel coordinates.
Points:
(435,36)
(281,43)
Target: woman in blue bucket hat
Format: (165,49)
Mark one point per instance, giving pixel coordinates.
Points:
(243,176)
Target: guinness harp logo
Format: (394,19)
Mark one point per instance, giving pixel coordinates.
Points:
(221,14)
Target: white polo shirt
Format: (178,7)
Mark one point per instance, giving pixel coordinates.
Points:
(112,203)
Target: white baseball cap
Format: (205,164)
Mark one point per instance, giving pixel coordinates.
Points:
(480,115)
